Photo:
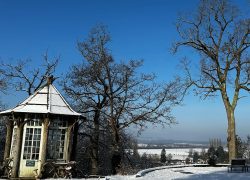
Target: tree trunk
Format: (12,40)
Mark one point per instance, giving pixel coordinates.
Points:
(231,133)
(17,149)
(94,160)
(116,156)
(116,161)
(95,144)
(231,139)
(9,130)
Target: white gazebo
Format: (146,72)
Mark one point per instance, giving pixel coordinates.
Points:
(39,129)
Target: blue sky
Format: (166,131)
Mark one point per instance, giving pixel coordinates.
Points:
(142,29)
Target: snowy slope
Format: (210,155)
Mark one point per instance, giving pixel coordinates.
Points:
(196,173)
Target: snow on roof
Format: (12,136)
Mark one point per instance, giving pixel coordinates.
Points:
(46,100)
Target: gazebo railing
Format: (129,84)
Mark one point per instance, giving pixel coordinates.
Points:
(53,169)
(6,168)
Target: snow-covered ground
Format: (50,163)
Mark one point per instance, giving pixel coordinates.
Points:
(196,173)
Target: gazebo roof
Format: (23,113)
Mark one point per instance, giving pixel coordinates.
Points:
(46,100)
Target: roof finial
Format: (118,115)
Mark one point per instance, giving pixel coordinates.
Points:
(50,79)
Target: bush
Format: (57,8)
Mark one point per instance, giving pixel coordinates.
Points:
(212,160)
(187,160)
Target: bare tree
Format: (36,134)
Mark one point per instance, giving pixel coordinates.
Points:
(135,99)
(84,84)
(221,37)
(117,92)
(3,86)
(24,78)
(3,81)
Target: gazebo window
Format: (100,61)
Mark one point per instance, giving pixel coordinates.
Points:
(32,140)
(34,122)
(56,139)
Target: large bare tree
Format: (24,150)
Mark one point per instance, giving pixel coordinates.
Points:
(220,35)
(116,92)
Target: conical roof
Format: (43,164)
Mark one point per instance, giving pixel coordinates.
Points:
(46,100)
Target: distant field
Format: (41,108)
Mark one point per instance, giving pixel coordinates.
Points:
(180,153)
